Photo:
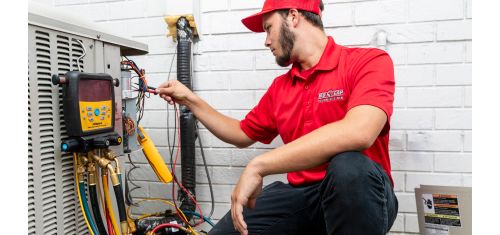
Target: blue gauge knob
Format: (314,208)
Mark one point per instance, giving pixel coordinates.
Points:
(97,112)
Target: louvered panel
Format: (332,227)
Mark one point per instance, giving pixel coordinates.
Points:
(46,135)
(69,204)
(31,187)
(76,52)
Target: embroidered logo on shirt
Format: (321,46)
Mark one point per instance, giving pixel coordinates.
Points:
(331,95)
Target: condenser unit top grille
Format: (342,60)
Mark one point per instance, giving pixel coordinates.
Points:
(51,18)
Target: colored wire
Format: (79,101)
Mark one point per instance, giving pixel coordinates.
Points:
(95,209)
(209,221)
(170,225)
(109,206)
(206,171)
(83,197)
(108,223)
(75,166)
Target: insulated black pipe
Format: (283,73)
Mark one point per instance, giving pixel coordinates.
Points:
(187,119)
(95,209)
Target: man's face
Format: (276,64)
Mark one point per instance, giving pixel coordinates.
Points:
(279,38)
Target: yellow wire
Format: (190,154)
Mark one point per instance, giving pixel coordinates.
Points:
(75,165)
(109,206)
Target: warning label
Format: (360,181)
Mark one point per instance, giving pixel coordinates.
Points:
(441,209)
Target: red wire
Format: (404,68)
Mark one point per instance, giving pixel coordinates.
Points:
(180,184)
(108,222)
(164,226)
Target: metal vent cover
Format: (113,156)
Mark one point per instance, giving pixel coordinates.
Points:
(52,204)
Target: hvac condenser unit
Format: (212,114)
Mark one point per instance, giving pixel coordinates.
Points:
(55,42)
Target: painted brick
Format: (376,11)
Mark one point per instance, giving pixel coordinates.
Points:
(468,180)
(159,45)
(241,157)
(412,161)
(412,119)
(406,202)
(427,10)
(225,175)
(156,27)
(247,41)
(399,179)
(204,81)
(335,15)
(414,180)
(406,33)
(88,12)
(453,162)
(201,63)
(468,141)
(398,53)
(217,5)
(399,224)
(468,96)
(175,7)
(156,103)
(435,97)
(397,140)
(231,61)
(460,74)
(244,4)
(468,5)
(454,30)
(126,10)
(252,80)
(214,156)
(454,119)
(210,140)
(214,43)
(380,12)
(353,36)
(411,223)
(400,98)
(155,7)
(435,140)
(430,53)
(228,22)
(222,193)
(232,100)
(220,209)
(414,75)
(468,52)
(265,60)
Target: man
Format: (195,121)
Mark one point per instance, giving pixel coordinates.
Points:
(332,111)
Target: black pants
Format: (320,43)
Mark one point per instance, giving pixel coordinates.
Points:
(356,197)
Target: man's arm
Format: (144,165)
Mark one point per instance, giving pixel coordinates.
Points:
(225,128)
(356,131)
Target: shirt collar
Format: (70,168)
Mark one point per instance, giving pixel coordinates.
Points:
(328,61)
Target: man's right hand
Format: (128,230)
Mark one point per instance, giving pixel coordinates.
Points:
(174,91)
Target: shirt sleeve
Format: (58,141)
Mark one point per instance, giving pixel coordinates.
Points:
(260,123)
(373,83)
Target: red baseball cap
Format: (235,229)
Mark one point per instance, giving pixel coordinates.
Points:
(254,22)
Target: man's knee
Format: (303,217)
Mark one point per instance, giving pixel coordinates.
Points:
(350,171)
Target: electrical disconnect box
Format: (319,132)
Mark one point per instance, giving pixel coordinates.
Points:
(59,43)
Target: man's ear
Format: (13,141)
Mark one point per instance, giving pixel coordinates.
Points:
(293,15)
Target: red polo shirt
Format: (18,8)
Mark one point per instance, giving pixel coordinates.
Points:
(299,102)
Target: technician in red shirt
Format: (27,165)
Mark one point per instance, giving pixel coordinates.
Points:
(332,111)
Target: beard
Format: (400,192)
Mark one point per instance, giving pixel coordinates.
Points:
(287,40)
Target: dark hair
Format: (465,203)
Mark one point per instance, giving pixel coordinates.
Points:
(312,18)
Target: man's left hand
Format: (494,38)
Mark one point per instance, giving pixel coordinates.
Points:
(245,193)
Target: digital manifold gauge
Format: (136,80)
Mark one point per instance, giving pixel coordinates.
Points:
(89,110)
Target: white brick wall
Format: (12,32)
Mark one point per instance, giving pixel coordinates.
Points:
(429,41)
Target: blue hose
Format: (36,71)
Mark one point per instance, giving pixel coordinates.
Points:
(199,216)
(86,208)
